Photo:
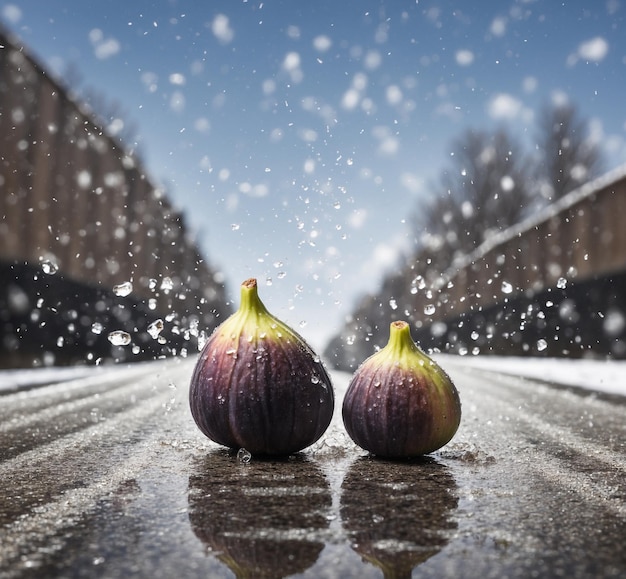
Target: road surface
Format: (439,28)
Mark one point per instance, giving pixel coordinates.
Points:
(108,476)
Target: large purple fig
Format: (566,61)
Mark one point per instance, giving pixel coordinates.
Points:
(400,403)
(257,384)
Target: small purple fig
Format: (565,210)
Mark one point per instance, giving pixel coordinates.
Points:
(400,403)
(258,385)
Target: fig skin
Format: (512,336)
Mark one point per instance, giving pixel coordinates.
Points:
(258,385)
(400,403)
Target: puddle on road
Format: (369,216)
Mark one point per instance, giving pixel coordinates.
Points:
(272,518)
(263,518)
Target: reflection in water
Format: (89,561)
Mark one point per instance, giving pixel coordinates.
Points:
(262,519)
(398,514)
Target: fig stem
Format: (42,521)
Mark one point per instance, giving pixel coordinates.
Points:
(400,341)
(250,301)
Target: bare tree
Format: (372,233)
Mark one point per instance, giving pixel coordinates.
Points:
(109,112)
(113,117)
(569,157)
(484,190)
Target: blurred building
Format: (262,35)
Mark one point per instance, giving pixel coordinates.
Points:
(80,223)
(553,285)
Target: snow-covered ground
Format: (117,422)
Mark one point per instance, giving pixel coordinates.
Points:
(14,380)
(596,375)
(599,375)
(17,379)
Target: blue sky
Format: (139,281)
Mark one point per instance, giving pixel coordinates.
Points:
(298,137)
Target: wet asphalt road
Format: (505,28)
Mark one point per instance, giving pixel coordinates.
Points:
(107,476)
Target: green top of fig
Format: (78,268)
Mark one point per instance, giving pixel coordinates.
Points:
(403,353)
(252,318)
(251,305)
(401,350)
(250,300)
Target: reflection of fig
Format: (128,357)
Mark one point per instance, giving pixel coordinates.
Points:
(400,403)
(397,514)
(258,385)
(262,519)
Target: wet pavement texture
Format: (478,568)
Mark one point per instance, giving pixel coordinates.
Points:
(108,476)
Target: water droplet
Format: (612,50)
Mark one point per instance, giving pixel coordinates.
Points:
(393,304)
(123,289)
(281,274)
(541,345)
(614,322)
(155,328)
(49,267)
(119,338)
(506,287)
(561,283)
(474,335)
(315,379)
(429,309)
(235,226)
(244,456)
(152,284)
(167,284)
(96,328)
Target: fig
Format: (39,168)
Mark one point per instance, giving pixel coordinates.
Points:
(400,403)
(258,385)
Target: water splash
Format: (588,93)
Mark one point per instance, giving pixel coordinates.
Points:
(244,456)
(123,289)
(155,328)
(119,338)
(49,267)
